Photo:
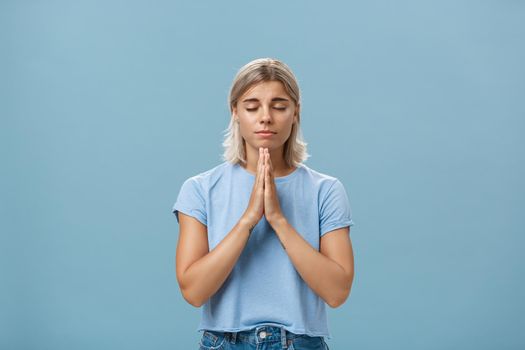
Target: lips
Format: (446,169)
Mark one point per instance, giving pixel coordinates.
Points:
(265,132)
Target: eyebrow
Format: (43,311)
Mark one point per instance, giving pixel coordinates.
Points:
(273,99)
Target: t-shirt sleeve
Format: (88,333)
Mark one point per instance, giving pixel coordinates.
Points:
(335,210)
(190,201)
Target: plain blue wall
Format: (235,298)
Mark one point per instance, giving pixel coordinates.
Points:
(108,106)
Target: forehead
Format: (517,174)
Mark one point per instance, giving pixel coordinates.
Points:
(266,89)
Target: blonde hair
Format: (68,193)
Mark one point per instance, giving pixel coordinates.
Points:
(254,72)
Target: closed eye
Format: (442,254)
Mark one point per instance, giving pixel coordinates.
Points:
(254,109)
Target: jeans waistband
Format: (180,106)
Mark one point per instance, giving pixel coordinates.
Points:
(262,334)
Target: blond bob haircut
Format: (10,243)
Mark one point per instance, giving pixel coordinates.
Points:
(254,72)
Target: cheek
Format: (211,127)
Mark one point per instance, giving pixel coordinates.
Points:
(289,125)
(288,131)
(245,131)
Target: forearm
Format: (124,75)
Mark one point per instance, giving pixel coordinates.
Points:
(205,276)
(323,275)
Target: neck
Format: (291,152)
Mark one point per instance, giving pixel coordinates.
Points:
(280,168)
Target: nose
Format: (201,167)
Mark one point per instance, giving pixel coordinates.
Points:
(266,116)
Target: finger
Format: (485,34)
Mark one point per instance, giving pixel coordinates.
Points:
(267,174)
(265,158)
(270,164)
(258,168)
(260,172)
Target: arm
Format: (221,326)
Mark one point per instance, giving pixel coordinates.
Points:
(200,273)
(328,272)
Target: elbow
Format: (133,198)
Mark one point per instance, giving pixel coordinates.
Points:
(194,303)
(335,303)
(340,300)
(191,298)
(342,296)
(188,294)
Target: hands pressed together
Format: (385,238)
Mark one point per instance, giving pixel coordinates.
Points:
(264,199)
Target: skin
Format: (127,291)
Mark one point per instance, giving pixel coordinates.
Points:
(256,111)
(329,272)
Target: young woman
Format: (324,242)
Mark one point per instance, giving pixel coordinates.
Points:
(264,240)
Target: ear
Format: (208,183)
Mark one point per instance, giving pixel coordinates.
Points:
(297,116)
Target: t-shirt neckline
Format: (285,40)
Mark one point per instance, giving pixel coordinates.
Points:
(277,179)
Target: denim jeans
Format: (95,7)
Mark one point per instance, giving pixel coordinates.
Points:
(260,338)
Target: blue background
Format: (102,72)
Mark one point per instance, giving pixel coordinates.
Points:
(108,106)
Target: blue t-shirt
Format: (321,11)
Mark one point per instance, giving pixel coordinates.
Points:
(264,287)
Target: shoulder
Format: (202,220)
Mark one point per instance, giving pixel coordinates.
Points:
(206,178)
(322,180)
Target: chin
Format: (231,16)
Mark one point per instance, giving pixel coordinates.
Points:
(263,143)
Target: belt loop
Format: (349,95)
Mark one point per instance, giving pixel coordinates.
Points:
(284,342)
(233,337)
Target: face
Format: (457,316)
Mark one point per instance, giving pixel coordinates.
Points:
(266,106)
